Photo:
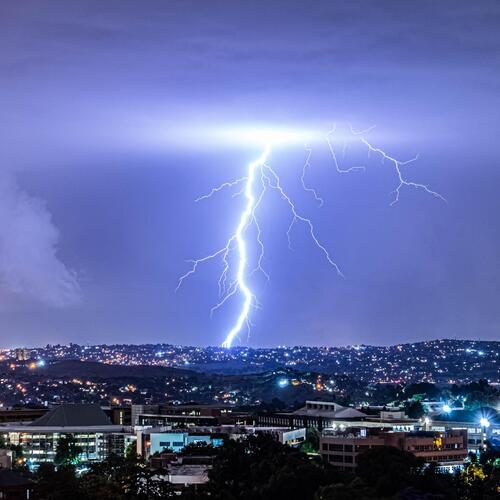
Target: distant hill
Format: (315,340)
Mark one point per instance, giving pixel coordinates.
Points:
(91,369)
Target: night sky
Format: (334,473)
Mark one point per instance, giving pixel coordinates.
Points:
(108,117)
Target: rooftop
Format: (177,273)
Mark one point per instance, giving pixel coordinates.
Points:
(73,415)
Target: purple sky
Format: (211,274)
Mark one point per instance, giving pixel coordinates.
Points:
(99,173)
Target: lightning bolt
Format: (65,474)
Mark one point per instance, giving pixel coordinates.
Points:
(260,178)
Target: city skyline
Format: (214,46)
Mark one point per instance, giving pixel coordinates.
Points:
(110,119)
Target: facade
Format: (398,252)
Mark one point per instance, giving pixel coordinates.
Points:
(183,471)
(181,476)
(321,415)
(120,415)
(6,457)
(137,410)
(183,421)
(187,415)
(21,414)
(160,440)
(175,441)
(448,449)
(90,427)
(284,435)
(482,425)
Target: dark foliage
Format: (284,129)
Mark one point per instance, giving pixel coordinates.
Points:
(259,468)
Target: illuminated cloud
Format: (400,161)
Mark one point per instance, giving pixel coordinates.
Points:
(29,265)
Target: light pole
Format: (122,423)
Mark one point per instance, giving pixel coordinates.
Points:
(485,423)
(427,422)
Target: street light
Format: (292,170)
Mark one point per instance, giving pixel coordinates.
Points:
(484,423)
(427,422)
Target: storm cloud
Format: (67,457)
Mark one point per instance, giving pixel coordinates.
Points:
(29,264)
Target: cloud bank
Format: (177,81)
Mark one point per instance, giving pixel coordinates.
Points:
(29,265)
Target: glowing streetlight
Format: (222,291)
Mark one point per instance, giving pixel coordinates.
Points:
(427,422)
(484,422)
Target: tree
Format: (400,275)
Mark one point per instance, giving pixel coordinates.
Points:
(125,478)
(131,451)
(200,449)
(388,469)
(18,461)
(356,489)
(422,390)
(414,409)
(56,484)
(260,468)
(67,452)
(311,444)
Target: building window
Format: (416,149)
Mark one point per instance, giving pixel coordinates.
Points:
(335,447)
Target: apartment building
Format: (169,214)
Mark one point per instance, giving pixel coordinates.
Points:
(447,449)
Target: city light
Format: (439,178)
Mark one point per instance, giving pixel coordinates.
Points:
(283,382)
(447,408)
(484,422)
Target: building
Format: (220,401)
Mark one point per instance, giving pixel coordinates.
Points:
(447,449)
(187,415)
(91,428)
(160,440)
(323,415)
(6,457)
(183,471)
(482,425)
(182,421)
(204,410)
(21,414)
(120,415)
(22,354)
(183,475)
(137,410)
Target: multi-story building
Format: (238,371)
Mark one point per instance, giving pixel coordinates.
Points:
(447,449)
(88,424)
(151,441)
(11,415)
(188,415)
(172,421)
(482,425)
(160,440)
(322,415)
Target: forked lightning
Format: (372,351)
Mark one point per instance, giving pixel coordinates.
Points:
(259,179)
